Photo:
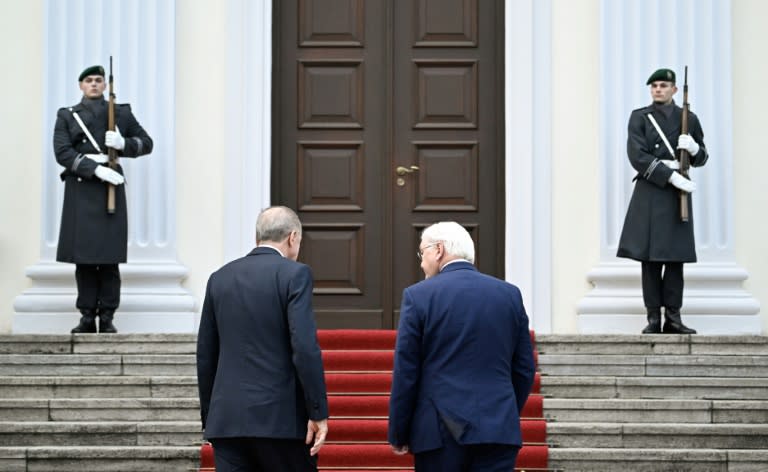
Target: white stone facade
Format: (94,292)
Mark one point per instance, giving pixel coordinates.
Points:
(198,75)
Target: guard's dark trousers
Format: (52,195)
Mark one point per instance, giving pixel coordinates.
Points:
(663,287)
(98,292)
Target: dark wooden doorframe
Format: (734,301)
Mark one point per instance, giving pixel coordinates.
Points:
(357,93)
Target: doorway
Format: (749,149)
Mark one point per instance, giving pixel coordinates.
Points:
(387,116)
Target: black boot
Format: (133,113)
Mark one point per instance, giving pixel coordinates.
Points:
(673,324)
(654,321)
(105,321)
(87,322)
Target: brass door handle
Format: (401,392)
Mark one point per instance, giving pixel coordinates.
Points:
(406,170)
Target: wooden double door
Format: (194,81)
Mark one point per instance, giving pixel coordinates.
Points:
(388,116)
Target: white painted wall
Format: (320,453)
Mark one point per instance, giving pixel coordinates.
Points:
(21,86)
(750,145)
(575,157)
(201,93)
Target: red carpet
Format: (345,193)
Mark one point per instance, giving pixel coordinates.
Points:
(358,366)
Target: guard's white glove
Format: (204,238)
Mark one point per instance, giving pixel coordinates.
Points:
(682,183)
(98,158)
(108,175)
(114,139)
(671,163)
(685,141)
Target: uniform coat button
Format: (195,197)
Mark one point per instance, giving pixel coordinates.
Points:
(79,179)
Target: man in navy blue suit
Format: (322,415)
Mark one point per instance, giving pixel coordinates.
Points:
(262,389)
(463,362)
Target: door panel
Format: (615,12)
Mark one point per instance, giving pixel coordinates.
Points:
(360,89)
(448,74)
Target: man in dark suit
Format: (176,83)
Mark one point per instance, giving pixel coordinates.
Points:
(260,374)
(90,237)
(463,362)
(653,232)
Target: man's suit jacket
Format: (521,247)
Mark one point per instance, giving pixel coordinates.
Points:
(259,369)
(464,358)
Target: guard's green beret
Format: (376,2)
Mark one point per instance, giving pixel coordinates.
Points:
(93,70)
(667,75)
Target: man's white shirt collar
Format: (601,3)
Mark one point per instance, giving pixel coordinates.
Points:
(272,247)
(451,262)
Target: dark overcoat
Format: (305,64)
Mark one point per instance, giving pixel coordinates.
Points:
(653,230)
(88,234)
(259,367)
(463,358)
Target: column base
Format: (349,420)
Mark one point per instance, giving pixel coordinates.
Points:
(714,300)
(703,324)
(152,300)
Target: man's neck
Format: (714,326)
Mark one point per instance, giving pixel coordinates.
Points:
(271,247)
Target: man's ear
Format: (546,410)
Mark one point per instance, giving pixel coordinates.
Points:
(439,250)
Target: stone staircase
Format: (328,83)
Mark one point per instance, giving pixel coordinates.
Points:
(655,403)
(627,403)
(98,403)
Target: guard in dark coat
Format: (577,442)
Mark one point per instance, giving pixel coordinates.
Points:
(653,232)
(90,237)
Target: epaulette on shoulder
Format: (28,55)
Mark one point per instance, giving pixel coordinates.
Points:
(75,107)
(643,110)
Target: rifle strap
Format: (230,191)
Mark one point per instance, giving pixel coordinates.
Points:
(85,130)
(661,133)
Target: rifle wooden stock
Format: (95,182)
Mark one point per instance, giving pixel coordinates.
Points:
(111,152)
(684,157)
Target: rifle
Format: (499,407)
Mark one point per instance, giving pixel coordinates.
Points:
(684,157)
(111,152)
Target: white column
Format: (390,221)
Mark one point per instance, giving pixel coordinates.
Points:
(638,37)
(140,35)
(528,155)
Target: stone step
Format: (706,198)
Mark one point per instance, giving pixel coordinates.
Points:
(651,344)
(176,343)
(549,364)
(657,460)
(101,409)
(48,387)
(98,344)
(658,435)
(671,365)
(655,387)
(100,458)
(655,411)
(184,343)
(97,364)
(100,433)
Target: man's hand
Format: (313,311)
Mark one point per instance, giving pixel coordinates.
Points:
(318,430)
(108,175)
(114,139)
(682,183)
(685,141)
(400,450)
(672,164)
